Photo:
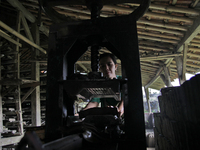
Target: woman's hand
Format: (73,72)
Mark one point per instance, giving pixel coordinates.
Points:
(121,108)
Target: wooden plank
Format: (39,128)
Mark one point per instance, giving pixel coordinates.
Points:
(10,140)
(17,82)
(189,35)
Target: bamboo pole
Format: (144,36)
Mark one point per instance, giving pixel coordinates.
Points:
(160,30)
(194,44)
(194,49)
(193,55)
(159,35)
(164,45)
(157,39)
(163,25)
(195,40)
(197,36)
(3,25)
(159,57)
(193,60)
(153,48)
(171,9)
(150,14)
(193,65)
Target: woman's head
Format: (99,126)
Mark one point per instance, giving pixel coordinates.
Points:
(108,65)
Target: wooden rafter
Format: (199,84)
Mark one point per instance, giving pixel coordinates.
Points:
(7,37)
(3,25)
(189,35)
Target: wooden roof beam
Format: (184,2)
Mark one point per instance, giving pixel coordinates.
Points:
(159,57)
(157,39)
(166,77)
(154,78)
(18,5)
(3,25)
(7,37)
(163,25)
(172,8)
(158,73)
(189,35)
(27,14)
(174,32)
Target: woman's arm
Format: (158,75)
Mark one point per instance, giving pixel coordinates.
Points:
(121,108)
(91,105)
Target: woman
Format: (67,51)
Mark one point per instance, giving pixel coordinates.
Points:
(108,66)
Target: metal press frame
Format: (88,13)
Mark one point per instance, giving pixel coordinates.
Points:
(68,41)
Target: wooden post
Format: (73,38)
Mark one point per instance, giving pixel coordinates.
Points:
(184,61)
(167,77)
(17,76)
(35,75)
(148,100)
(1,114)
(181,65)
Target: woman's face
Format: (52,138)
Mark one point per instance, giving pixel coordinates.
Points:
(108,67)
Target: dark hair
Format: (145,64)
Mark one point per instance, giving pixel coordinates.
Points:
(108,55)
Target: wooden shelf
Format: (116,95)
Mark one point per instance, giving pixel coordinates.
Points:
(19,82)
